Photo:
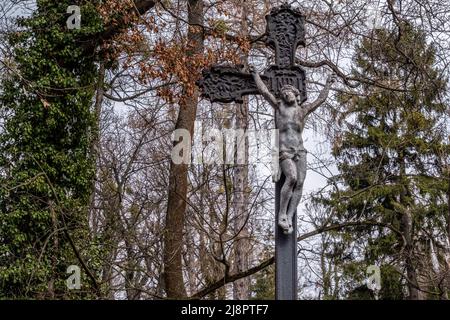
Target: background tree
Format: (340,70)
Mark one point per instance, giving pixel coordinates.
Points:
(387,158)
(45,161)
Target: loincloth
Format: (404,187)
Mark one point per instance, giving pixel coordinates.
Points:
(294,154)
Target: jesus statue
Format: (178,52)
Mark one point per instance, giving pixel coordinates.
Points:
(290,118)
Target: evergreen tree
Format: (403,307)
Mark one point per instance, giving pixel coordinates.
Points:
(387,156)
(264,286)
(46,170)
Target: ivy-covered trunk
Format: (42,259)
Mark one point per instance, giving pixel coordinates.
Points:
(46,168)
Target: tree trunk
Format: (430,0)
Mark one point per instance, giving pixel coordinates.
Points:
(95,142)
(411,274)
(448,216)
(241,288)
(406,228)
(240,207)
(178,178)
(51,284)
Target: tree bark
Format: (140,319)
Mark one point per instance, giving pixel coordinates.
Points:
(95,142)
(178,178)
(411,273)
(241,287)
(448,208)
(406,228)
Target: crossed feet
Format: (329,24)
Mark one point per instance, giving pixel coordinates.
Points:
(286,224)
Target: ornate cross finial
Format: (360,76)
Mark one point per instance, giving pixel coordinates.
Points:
(285,32)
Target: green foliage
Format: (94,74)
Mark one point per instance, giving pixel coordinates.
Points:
(392,287)
(361,293)
(264,287)
(46,171)
(390,151)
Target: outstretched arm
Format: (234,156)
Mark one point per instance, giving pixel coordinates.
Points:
(263,89)
(322,96)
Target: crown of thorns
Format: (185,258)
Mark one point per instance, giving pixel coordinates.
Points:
(288,87)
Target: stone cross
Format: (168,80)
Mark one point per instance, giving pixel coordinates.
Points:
(285,31)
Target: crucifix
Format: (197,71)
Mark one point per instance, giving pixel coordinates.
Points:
(283,87)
